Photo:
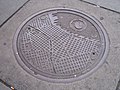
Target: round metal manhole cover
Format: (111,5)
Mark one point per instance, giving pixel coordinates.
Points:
(61,45)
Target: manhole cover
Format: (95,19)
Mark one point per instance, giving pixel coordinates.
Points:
(61,45)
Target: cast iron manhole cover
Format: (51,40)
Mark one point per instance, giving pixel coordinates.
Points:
(61,45)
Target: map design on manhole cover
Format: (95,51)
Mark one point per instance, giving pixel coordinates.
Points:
(61,45)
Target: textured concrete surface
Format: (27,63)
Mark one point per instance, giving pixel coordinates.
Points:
(110,4)
(105,78)
(3,87)
(9,7)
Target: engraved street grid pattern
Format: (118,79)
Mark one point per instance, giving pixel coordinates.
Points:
(50,49)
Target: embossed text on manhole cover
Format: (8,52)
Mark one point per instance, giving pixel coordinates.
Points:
(61,45)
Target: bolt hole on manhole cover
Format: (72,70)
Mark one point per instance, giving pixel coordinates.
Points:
(61,45)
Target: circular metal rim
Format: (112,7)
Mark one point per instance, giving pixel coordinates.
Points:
(61,80)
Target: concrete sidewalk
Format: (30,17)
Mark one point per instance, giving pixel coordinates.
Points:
(3,87)
(106,78)
(8,8)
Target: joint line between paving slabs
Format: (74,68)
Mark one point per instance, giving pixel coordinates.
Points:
(14,13)
(99,6)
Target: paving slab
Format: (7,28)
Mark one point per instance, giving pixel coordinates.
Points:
(8,8)
(3,87)
(110,4)
(105,78)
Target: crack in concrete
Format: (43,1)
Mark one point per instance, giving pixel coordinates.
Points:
(118,86)
(6,84)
